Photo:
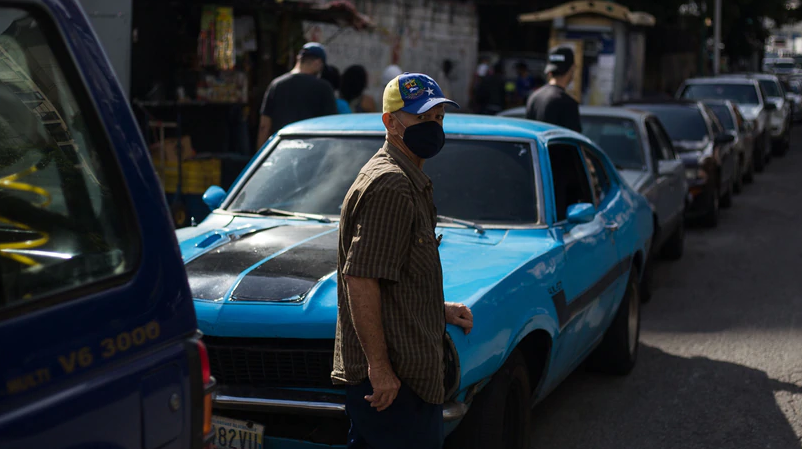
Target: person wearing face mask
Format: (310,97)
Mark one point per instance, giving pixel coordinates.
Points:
(297,95)
(391,319)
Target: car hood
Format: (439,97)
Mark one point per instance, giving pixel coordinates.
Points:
(750,112)
(634,178)
(277,278)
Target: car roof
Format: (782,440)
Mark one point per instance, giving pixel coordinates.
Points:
(658,102)
(612,111)
(454,124)
(757,76)
(722,80)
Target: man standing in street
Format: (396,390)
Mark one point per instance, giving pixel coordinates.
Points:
(391,320)
(297,95)
(550,103)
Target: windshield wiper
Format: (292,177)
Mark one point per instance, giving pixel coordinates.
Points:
(286,213)
(467,224)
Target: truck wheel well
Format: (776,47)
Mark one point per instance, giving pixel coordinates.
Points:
(536,348)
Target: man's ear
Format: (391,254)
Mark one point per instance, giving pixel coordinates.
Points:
(388,123)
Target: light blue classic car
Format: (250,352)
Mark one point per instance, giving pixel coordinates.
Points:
(541,238)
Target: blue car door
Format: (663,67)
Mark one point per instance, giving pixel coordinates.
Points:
(611,210)
(590,252)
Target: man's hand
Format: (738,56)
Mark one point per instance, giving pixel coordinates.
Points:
(459,315)
(385,386)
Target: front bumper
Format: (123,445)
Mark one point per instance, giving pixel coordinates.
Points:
(700,197)
(301,402)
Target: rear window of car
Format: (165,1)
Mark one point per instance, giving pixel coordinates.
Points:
(618,137)
(745,94)
(681,122)
(724,115)
(477,180)
(771,87)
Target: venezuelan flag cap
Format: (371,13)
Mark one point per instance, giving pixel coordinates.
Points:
(415,93)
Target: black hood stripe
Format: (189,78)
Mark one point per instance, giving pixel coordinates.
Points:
(292,274)
(212,274)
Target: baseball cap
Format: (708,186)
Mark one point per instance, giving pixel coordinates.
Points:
(415,93)
(560,60)
(313,49)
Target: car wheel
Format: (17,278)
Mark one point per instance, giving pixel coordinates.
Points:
(647,279)
(499,415)
(759,159)
(618,350)
(749,176)
(738,185)
(710,218)
(726,199)
(675,245)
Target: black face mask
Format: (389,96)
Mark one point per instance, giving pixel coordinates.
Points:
(425,139)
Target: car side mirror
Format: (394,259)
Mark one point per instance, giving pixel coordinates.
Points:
(769,106)
(724,138)
(789,96)
(581,213)
(214,196)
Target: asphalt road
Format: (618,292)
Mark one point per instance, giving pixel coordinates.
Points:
(720,361)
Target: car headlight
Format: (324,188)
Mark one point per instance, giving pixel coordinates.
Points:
(695,174)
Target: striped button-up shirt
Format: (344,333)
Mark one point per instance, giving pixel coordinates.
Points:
(387,233)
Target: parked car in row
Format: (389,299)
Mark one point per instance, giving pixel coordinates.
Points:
(780,120)
(706,150)
(793,94)
(751,100)
(733,122)
(541,238)
(644,156)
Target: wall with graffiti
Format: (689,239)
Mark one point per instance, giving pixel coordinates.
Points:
(418,36)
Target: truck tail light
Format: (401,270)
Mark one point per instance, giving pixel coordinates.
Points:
(208,388)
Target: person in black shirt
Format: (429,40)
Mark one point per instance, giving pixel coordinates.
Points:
(550,103)
(297,95)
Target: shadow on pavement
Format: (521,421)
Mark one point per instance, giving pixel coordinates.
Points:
(667,402)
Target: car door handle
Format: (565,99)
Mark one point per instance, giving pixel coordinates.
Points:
(611,226)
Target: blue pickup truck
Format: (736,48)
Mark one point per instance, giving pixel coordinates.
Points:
(98,335)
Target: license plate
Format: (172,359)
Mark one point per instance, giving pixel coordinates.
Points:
(235,434)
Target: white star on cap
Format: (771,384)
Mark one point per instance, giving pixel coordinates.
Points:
(431,83)
(430,91)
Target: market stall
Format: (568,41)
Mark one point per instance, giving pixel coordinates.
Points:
(610,39)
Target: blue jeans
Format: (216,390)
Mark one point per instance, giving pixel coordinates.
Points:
(410,422)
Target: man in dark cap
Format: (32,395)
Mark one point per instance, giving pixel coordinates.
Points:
(297,95)
(550,103)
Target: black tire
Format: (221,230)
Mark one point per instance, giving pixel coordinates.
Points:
(499,415)
(646,283)
(738,185)
(674,247)
(749,176)
(759,160)
(710,219)
(726,199)
(618,350)
(781,149)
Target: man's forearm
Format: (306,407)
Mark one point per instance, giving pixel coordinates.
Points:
(265,124)
(365,302)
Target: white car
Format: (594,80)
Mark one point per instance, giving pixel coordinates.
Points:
(780,120)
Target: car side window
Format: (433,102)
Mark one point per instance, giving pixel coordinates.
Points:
(570,180)
(665,141)
(64,222)
(654,146)
(599,179)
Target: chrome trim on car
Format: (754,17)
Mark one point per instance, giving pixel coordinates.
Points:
(452,411)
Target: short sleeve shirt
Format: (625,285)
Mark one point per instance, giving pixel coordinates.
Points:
(293,97)
(387,233)
(551,104)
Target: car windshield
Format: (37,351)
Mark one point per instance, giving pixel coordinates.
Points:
(618,137)
(683,123)
(783,65)
(744,94)
(476,180)
(771,87)
(724,115)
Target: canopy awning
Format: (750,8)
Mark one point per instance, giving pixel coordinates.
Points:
(582,7)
